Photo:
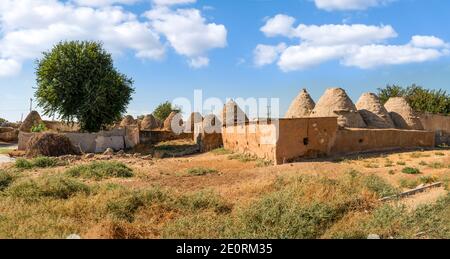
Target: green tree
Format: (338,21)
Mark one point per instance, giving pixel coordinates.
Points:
(2,120)
(164,109)
(420,99)
(77,81)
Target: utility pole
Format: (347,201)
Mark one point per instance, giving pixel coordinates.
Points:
(31,104)
(269,108)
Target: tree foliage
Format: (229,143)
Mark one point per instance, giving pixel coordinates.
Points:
(2,121)
(164,109)
(420,99)
(78,82)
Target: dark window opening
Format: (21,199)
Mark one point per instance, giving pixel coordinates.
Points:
(306,141)
(361,141)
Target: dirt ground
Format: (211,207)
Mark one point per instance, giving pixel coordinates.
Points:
(240,181)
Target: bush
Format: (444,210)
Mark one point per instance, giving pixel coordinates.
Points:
(101,170)
(40,162)
(379,186)
(78,81)
(201,201)
(6,178)
(164,110)
(409,184)
(39,128)
(56,187)
(200,171)
(411,170)
(125,207)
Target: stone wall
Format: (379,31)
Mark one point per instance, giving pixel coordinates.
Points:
(8,134)
(283,140)
(349,141)
(116,139)
(440,124)
(151,137)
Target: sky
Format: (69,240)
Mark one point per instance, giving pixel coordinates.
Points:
(232,48)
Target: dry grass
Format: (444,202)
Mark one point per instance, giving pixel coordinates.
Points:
(304,200)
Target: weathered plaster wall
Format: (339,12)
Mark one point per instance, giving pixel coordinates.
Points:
(116,139)
(350,141)
(440,124)
(257,139)
(305,137)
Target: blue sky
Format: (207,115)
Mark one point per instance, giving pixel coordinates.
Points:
(222,60)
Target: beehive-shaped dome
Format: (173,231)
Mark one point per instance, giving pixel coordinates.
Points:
(232,114)
(149,123)
(335,102)
(195,119)
(302,106)
(173,119)
(33,119)
(402,114)
(373,112)
(128,121)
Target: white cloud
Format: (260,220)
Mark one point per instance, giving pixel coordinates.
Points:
(427,42)
(173,2)
(199,62)
(342,5)
(266,54)
(376,55)
(283,25)
(97,3)
(187,31)
(29,27)
(357,45)
(9,67)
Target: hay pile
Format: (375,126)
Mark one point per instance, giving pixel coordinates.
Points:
(193,120)
(335,102)
(232,114)
(173,119)
(33,119)
(373,112)
(50,144)
(128,121)
(149,123)
(402,114)
(302,106)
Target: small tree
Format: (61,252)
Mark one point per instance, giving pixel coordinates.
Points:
(163,110)
(77,81)
(2,121)
(420,99)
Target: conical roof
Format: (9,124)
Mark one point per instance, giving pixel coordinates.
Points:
(33,119)
(373,112)
(402,114)
(128,121)
(149,123)
(335,102)
(232,114)
(194,119)
(302,106)
(171,120)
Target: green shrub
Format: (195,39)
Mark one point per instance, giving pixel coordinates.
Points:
(44,162)
(379,186)
(200,171)
(101,170)
(52,187)
(23,163)
(245,158)
(6,179)
(201,201)
(125,207)
(409,184)
(401,163)
(411,170)
(40,162)
(39,128)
